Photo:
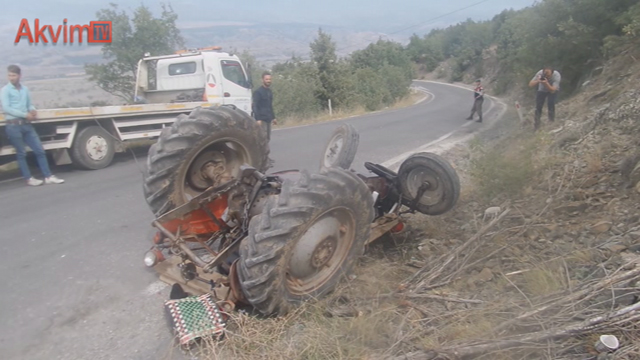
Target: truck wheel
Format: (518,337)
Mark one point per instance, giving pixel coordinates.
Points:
(342,147)
(305,239)
(93,148)
(444,184)
(200,150)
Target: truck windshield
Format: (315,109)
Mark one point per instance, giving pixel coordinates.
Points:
(232,71)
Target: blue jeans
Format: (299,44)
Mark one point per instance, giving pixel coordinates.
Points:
(19,135)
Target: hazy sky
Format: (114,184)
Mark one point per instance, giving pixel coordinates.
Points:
(386,17)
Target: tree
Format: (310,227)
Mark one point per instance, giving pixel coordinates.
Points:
(323,55)
(131,39)
(252,66)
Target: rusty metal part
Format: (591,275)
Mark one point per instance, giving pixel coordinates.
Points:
(205,246)
(223,254)
(206,170)
(323,252)
(199,201)
(382,225)
(193,257)
(213,171)
(170,272)
(226,305)
(236,295)
(219,224)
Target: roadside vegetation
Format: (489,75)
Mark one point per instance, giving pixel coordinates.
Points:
(371,79)
(560,263)
(575,37)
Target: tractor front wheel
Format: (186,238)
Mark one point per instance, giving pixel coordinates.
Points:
(305,240)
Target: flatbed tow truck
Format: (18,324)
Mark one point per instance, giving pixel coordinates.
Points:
(166,86)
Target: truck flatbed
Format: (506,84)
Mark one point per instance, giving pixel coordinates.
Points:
(109,112)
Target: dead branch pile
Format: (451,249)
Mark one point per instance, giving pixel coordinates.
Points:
(564,325)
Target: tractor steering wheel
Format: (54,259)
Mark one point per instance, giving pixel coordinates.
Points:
(381,171)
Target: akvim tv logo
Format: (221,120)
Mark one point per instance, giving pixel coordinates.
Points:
(98,32)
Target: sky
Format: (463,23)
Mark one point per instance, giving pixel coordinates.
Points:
(386,17)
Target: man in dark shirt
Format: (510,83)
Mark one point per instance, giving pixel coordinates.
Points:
(263,104)
(478,99)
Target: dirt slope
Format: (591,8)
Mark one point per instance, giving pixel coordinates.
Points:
(537,280)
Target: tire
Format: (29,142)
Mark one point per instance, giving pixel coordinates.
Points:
(341,148)
(193,138)
(274,236)
(93,148)
(435,169)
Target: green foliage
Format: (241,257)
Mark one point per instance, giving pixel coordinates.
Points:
(296,87)
(629,21)
(253,67)
(371,78)
(573,36)
(497,171)
(132,38)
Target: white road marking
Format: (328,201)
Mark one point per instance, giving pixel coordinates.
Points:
(389,163)
(393,163)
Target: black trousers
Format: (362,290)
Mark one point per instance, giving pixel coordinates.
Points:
(541,96)
(477,107)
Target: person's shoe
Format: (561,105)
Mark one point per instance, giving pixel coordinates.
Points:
(479,120)
(469,118)
(34,182)
(53,180)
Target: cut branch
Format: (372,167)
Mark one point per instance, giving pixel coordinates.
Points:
(538,337)
(424,282)
(587,293)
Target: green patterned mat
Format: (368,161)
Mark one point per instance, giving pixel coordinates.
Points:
(196,317)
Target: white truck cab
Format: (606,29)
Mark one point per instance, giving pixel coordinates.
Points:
(205,74)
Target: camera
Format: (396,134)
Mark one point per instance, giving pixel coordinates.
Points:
(542,78)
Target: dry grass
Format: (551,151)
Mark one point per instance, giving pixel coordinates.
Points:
(375,323)
(594,161)
(342,114)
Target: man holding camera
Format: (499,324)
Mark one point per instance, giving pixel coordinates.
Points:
(548,82)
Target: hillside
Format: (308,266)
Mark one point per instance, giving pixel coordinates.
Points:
(541,255)
(553,269)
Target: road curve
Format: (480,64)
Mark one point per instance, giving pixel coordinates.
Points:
(74,284)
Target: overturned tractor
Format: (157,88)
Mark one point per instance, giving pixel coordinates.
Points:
(273,240)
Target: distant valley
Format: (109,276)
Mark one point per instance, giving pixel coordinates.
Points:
(269,43)
(56,77)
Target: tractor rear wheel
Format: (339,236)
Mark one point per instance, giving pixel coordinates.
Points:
(305,239)
(199,150)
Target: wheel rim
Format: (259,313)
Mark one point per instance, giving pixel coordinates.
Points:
(217,163)
(97,147)
(434,192)
(320,251)
(333,150)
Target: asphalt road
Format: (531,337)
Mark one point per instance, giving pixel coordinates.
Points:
(74,285)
